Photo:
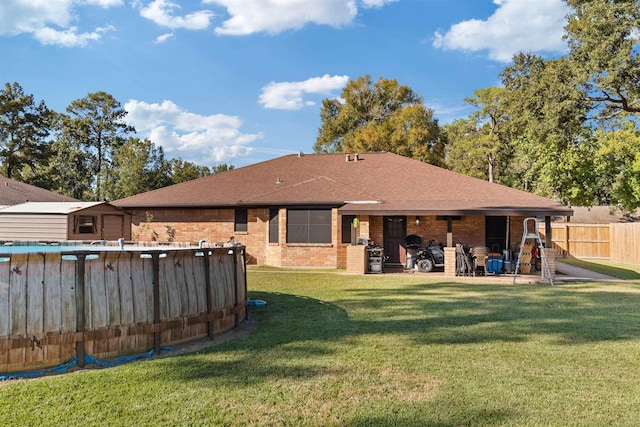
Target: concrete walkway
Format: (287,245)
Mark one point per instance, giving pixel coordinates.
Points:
(568,272)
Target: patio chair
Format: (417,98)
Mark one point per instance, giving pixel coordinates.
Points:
(480,256)
(463,263)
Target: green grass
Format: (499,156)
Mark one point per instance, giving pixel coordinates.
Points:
(377,350)
(615,269)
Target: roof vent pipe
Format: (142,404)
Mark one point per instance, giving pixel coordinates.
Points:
(355,157)
(278,182)
(346,159)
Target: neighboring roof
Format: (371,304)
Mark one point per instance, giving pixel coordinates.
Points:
(376,184)
(56,208)
(599,215)
(14,192)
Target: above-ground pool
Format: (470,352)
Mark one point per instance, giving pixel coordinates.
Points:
(60,301)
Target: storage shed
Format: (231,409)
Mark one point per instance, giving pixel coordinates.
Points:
(61,221)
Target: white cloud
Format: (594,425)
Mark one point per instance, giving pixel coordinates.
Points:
(376,3)
(68,37)
(200,139)
(162,13)
(290,95)
(105,3)
(275,16)
(163,38)
(517,25)
(50,21)
(19,16)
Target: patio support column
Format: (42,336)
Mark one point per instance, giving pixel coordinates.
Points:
(450,261)
(548,242)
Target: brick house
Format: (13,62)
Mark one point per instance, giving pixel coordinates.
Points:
(298,210)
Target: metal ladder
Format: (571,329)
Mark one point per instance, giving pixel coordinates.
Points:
(526,234)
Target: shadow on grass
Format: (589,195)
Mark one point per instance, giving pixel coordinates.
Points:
(303,338)
(296,327)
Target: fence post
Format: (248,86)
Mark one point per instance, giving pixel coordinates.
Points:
(244,270)
(235,288)
(155,258)
(207,285)
(80,309)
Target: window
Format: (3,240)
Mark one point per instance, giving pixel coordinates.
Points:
(86,224)
(347,221)
(309,226)
(274,225)
(240,220)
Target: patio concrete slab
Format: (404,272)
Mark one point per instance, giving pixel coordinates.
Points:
(568,272)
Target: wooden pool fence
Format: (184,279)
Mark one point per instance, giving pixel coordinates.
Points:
(55,306)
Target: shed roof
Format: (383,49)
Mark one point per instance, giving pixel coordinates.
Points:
(375,184)
(55,208)
(14,192)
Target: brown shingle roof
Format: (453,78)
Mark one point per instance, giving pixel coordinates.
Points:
(376,184)
(14,192)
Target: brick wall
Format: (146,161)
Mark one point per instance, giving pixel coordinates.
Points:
(213,225)
(217,225)
(429,228)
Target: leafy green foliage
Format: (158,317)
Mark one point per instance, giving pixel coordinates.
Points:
(380,116)
(618,159)
(605,53)
(549,130)
(24,127)
(137,166)
(479,145)
(95,124)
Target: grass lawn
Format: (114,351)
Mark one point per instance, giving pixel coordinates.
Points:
(615,269)
(377,350)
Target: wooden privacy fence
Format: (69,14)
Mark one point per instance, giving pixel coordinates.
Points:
(625,243)
(619,242)
(60,305)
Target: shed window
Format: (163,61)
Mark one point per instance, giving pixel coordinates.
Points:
(309,226)
(241,219)
(85,224)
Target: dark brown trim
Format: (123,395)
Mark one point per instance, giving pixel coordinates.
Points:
(465,212)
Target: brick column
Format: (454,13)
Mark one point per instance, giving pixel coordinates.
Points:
(356,259)
(450,262)
(551,262)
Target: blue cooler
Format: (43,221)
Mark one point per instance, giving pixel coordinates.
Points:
(494,264)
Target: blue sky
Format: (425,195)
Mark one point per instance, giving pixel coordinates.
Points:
(241,81)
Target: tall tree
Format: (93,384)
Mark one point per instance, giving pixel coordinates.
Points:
(549,129)
(24,128)
(479,144)
(183,171)
(137,166)
(96,124)
(380,116)
(67,171)
(605,53)
(618,163)
(465,152)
